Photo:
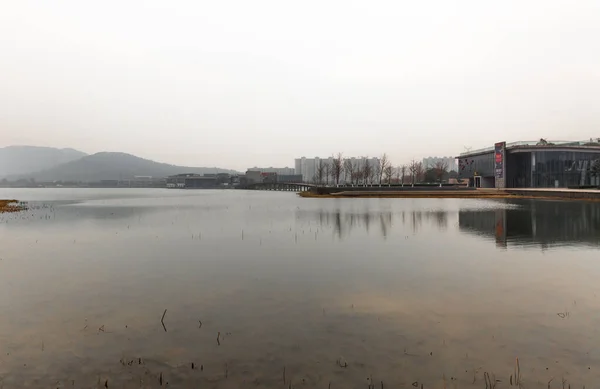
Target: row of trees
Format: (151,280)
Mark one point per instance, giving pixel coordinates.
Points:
(376,171)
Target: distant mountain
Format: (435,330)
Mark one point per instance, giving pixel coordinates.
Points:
(17,160)
(113,166)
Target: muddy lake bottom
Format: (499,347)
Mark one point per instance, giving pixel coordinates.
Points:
(270,290)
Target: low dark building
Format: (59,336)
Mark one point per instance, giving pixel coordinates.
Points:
(269,177)
(540,164)
(192,181)
(289,178)
(251,177)
(223,179)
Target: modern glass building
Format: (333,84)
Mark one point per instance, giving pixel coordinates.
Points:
(540,164)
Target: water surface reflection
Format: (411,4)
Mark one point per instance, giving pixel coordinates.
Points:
(344,221)
(402,291)
(517,222)
(536,223)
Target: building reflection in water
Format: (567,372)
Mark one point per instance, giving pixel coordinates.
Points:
(534,222)
(511,222)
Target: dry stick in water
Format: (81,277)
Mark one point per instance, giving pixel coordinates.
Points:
(162,320)
(218,341)
(518,376)
(475,371)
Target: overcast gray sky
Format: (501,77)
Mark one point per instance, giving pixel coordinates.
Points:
(238,83)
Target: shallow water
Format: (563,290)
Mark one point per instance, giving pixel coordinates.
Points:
(431,292)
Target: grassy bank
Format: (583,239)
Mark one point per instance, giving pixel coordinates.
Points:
(10,206)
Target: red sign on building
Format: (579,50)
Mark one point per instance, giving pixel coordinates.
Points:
(499,149)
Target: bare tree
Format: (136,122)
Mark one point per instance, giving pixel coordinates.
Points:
(367,171)
(327,171)
(358,172)
(375,174)
(416,171)
(348,170)
(320,173)
(337,167)
(389,172)
(397,172)
(384,162)
(403,170)
(412,168)
(420,172)
(441,169)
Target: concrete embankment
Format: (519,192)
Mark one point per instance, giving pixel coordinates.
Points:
(558,193)
(406,194)
(470,193)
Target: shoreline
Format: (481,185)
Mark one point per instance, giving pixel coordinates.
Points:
(563,195)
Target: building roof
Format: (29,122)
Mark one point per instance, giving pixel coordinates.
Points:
(186,175)
(590,145)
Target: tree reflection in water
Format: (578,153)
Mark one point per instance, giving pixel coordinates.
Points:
(343,222)
(537,223)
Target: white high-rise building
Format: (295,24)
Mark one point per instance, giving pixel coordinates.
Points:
(309,169)
(450,162)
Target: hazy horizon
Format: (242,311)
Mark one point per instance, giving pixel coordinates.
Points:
(238,84)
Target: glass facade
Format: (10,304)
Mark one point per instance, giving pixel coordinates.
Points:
(480,165)
(542,168)
(552,169)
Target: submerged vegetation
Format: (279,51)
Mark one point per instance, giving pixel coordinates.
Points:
(11,206)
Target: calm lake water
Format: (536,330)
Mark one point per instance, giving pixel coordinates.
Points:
(266,289)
